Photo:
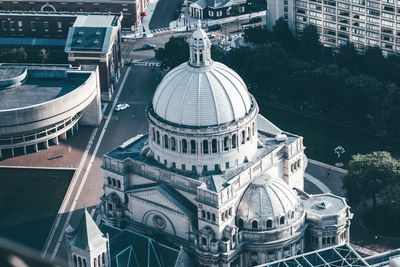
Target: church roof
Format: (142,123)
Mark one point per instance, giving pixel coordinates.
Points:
(88,234)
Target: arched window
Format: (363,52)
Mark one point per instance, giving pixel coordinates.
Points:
(203,214)
(298,164)
(213,217)
(102,258)
(158,137)
(214,146)
(253,126)
(269,223)
(184,146)
(234,141)
(226,143)
(240,223)
(248,133)
(118,184)
(173,144)
(153,134)
(328,240)
(109,180)
(114,182)
(94,262)
(292,215)
(243,136)
(208,215)
(254,224)
(323,241)
(75,261)
(165,141)
(193,147)
(80,261)
(282,220)
(84,262)
(205,147)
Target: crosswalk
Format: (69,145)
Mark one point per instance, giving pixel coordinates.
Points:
(160,30)
(146,64)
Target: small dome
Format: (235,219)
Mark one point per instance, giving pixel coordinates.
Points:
(267,203)
(206,96)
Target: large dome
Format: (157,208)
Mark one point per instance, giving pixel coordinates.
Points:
(201,92)
(269,202)
(201,97)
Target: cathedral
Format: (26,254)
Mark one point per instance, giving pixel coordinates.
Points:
(215,177)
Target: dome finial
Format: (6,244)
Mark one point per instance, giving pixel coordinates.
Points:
(200,48)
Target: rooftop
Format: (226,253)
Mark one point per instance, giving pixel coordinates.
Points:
(324,204)
(214,181)
(40,85)
(342,255)
(128,248)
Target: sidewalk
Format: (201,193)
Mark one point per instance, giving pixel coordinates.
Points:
(144,29)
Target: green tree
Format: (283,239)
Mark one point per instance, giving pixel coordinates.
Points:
(310,47)
(348,57)
(368,176)
(175,52)
(43,55)
(257,35)
(15,55)
(373,62)
(282,34)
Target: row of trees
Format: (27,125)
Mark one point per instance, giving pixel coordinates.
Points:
(374,177)
(33,55)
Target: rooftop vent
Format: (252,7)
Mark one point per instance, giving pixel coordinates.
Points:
(79,41)
(96,42)
(281,137)
(322,205)
(80,33)
(97,32)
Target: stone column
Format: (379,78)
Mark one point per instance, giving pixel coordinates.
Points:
(55,140)
(24,150)
(12,152)
(1,154)
(35,147)
(46,144)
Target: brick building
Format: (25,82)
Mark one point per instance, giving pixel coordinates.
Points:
(131,9)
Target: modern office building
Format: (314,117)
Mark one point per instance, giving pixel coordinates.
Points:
(41,104)
(362,22)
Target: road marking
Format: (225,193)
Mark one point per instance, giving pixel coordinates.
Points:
(68,194)
(104,108)
(317,183)
(89,166)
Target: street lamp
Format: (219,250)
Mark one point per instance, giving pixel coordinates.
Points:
(339,150)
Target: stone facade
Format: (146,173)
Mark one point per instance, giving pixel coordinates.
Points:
(229,202)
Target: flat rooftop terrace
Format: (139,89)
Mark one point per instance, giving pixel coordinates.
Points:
(34,91)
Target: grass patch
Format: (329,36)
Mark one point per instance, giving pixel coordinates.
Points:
(382,220)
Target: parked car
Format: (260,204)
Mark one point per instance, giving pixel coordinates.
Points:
(214,27)
(149,46)
(255,20)
(120,107)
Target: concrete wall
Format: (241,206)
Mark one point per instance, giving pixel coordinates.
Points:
(42,115)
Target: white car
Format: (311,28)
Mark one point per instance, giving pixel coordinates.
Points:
(120,107)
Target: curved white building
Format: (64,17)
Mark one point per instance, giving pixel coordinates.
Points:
(40,104)
(215,176)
